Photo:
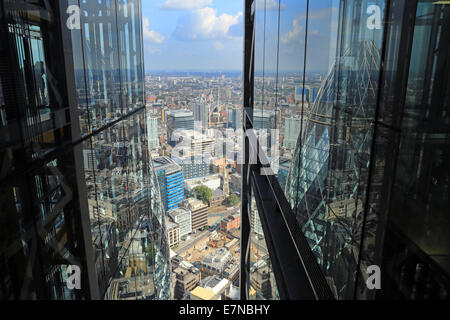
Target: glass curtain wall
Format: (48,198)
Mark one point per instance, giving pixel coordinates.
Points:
(77,185)
(362,86)
(127,225)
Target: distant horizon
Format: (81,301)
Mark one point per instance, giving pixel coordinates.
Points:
(229,71)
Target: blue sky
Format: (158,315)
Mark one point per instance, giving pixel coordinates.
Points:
(207,35)
(193,35)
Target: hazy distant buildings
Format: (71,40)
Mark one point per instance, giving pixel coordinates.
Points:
(309,92)
(234,118)
(263,119)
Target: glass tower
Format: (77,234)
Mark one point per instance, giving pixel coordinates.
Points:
(78,189)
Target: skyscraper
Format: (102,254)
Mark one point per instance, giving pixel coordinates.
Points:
(201,113)
(234,118)
(152,129)
(75,155)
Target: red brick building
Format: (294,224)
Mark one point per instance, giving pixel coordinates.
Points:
(231,222)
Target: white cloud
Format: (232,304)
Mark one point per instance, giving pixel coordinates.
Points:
(297,28)
(152,35)
(325,18)
(184,4)
(205,24)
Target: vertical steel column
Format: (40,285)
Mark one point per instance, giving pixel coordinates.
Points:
(247,117)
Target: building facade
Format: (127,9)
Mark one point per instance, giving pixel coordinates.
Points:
(194,168)
(201,112)
(152,128)
(199,213)
(292,126)
(171,182)
(183,218)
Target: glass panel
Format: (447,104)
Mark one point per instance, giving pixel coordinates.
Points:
(419,213)
(290,79)
(262,280)
(97,68)
(327,185)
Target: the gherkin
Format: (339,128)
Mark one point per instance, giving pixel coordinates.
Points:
(328,179)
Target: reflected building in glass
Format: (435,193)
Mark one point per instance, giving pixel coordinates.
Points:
(370,168)
(77,183)
(368,183)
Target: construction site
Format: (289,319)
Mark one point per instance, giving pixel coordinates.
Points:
(217,239)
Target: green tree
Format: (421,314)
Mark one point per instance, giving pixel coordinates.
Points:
(203,193)
(232,200)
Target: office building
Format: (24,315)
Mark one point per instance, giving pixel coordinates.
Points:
(183,218)
(292,127)
(171,181)
(201,112)
(173,233)
(309,94)
(193,144)
(72,123)
(194,167)
(179,120)
(215,262)
(199,213)
(217,198)
(261,280)
(185,281)
(234,118)
(152,132)
(263,120)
